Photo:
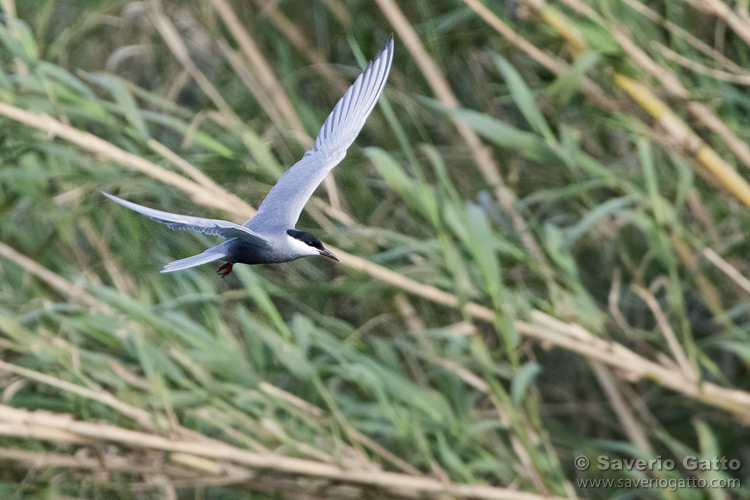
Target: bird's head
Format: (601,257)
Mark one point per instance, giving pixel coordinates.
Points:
(307,244)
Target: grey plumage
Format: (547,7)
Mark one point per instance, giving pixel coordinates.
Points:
(287,198)
(269,237)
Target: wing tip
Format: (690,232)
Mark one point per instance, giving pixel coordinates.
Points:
(116,199)
(389,43)
(387,47)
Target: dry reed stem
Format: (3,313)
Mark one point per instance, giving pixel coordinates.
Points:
(106,461)
(172,38)
(139,415)
(686,138)
(43,433)
(687,36)
(439,85)
(481,153)
(725,76)
(198,463)
(122,281)
(9,6)
(668,79)
(708,117)
(632,427)
(63,428)
(252,84)
(688,369)
(683,135)
(184,165)
(726,14)
(634,366)
(613,301)
(249,80)
(631,365)
(128,376)
(727,269)
(175,88)
(263,70)
(567,336)
(297,38)
(271,84)
(145,419)
(672,85)
(709,293)
(73,292)
(559,21)
(550,62)
(383,452)
(526,466)
(466,375)
(103,149)
(296,401)
(340,12)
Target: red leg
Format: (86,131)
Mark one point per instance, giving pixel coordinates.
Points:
(225,270)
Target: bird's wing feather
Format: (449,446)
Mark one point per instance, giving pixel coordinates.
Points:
(285,201)
(214,227)
(210,255)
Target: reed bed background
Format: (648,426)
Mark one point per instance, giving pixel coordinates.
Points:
(542,231)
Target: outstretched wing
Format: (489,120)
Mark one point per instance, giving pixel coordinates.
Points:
(214,227)
(285,201)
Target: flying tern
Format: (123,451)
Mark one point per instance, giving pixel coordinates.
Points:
(269,237)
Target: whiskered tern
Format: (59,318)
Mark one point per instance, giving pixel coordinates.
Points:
(269,237)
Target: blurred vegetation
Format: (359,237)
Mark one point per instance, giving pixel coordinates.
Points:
(542,228)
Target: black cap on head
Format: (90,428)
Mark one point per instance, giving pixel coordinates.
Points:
(311,241)
(306,238)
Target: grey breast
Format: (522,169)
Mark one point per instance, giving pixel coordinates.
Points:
(250,252)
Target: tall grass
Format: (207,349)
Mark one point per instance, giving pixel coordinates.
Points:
(542,232)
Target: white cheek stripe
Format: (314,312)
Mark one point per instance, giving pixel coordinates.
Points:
(301,248)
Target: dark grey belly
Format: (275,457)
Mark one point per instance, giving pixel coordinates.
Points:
(246,252)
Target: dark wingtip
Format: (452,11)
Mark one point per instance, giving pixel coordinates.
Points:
(388,44)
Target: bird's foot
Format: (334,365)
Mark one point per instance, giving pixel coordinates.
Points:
(225,270)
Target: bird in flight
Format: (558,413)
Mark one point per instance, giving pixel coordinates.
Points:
(269,237)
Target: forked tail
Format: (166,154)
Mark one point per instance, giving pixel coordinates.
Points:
(214,253)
